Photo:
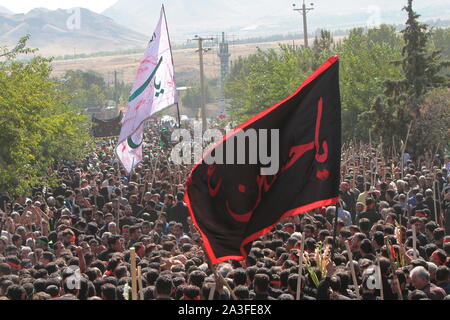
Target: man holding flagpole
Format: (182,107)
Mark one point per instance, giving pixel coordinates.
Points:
(154,90)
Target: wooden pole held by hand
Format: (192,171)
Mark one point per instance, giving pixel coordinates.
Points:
(133,274)
(352,267)
(300,268)
(141,287)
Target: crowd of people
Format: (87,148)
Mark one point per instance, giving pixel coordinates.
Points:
(73,241)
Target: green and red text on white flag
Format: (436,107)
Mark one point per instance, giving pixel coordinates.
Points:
(154,90)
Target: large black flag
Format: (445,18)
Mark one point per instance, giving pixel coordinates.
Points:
(234,204)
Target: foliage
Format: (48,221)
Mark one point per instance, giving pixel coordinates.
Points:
(261,80)
(365,63)
(191,98)
(384,79)
(422,69)
(434,123)
(38,124)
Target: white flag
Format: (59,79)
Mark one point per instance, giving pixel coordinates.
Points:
(154,90)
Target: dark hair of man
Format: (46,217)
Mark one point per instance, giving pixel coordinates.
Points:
(112,240)
(310,244)
(15,292)
(74,261)
(92,274)
(324,233)
(257,253)
(390,193)
(191,292)
(430,248)
(251,272)
(40,274)
(148,293)
(417,295)
(197,278)
(40,285)
(292,282)
(447,248)
(401,276)
(266,252)
(345,233)
(124,281)
(5,269)
(335,284)
(261,282)
(379,238)
(310,227)
(239,277)
(48,256)
(442,274)
(168,246)
(52,290)
(180,196)
(98,264)
(108,292)
(389,230)
(163,285)
(134,229)
(339,259)
(438,234)
(263,270)
(151,275)
(29,289)
(366,246)
(120,272)
(365,225)
(360,236)
(385,264)
(51,268)
(98,284)
(284,276)
(242,292)
(344,278)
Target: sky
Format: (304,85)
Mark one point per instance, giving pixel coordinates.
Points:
(23,6)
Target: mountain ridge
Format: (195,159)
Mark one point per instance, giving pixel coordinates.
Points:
(262,17)
(59,32)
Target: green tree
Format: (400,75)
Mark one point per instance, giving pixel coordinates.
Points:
(191,98)
(260,80)
(38,123)
(421,72)
(88,89)
(365,63)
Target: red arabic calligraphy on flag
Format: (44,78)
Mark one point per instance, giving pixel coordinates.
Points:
(233,205)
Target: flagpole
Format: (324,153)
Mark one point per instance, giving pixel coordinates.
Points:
(335,229)
(300,268)
(171,54)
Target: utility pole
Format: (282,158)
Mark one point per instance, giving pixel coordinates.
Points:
(116,96)
(202,78)
(304,11)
